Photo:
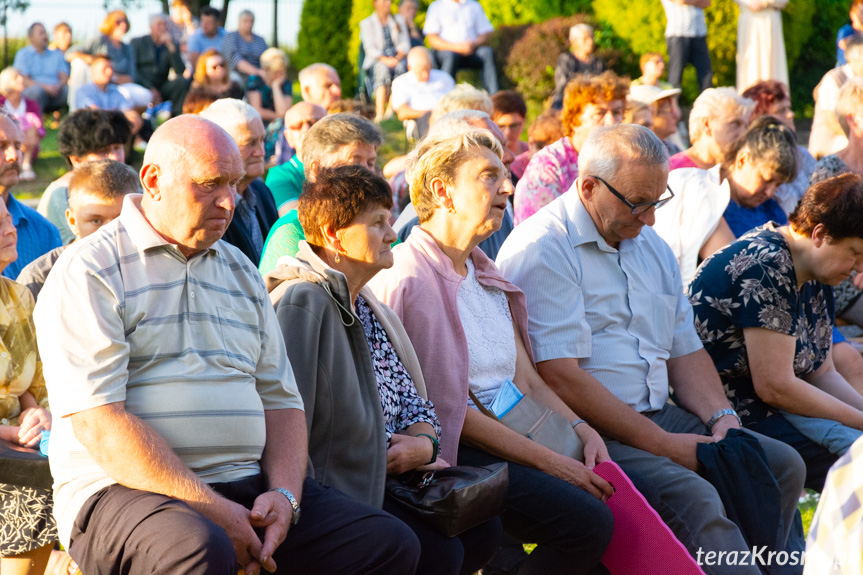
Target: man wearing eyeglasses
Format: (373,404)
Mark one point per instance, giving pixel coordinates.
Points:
(611,329)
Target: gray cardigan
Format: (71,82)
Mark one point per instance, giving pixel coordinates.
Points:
(333,368)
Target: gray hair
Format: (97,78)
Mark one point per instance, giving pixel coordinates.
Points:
(849,102)
(157,17)
(336,131)
(462,97)
(606,148)
(312,69)
(853,48)
(7,76)
(229,113)
(585,29)
(710,104)
(245,13)
(456,121)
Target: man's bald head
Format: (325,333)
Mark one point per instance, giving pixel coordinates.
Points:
(420,63)
(299,120)
(191,171)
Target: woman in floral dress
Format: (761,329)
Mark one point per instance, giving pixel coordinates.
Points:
(764,310)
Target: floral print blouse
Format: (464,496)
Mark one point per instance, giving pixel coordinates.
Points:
(20,367)
(550,173)
(752,283)
(400,401)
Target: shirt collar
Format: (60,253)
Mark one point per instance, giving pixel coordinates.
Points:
(142,234)
(15,210)
(582,229)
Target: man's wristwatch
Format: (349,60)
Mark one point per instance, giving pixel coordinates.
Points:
(435,446)
(295,517)
(722,413)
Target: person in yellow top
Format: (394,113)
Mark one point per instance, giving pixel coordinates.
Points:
(27,528)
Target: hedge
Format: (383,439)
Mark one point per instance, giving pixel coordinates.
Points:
(323,38)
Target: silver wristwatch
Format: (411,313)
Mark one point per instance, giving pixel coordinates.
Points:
(722,413)
(295,518)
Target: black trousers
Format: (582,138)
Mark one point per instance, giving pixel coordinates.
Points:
(683,51)
(127,531)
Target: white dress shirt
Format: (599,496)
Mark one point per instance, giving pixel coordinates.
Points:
(454,21)
(620,312)
(422,96)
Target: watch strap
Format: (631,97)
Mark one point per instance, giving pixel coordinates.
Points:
(295,505)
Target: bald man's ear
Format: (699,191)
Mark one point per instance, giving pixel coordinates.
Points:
(150,174)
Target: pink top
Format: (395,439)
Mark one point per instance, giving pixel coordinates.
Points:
(680,160)
(550,173)
(422,288)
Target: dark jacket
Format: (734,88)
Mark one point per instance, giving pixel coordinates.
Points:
(152,64)
(737,468)
(333,368)
(266,213)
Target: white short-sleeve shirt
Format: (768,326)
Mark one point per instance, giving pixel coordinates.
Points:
(454,21)
(422,96)
(620,312)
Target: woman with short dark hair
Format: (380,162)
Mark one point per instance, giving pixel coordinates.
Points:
(764,311)
(357,371)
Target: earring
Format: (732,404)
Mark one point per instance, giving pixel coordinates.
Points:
(338,259)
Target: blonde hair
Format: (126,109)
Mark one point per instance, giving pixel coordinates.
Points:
(7,76)
(441,157)
(709,106)
(849,102)
(462,97)
(274,58)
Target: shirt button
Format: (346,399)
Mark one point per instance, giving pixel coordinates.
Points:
(192,295)
(4,355)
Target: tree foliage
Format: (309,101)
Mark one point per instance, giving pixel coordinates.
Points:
(323,38)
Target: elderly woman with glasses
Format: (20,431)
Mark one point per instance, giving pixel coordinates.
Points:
(362,385)
(588,102)
(764,311)
(715,206)
(469,327)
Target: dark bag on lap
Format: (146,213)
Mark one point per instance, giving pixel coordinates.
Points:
(454,499)
(24,466)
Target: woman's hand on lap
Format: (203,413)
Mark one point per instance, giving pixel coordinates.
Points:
(595,450)
(32,422)
(575,472)
(407,452)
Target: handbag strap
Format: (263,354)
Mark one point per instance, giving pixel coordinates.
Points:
(480,406)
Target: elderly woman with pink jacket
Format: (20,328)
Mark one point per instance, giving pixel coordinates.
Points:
(468,326)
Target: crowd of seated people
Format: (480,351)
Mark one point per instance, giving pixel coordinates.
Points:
(248,339)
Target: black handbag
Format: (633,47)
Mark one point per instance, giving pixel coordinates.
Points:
(24,466)
(453,499)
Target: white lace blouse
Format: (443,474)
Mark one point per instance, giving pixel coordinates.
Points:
(487,322)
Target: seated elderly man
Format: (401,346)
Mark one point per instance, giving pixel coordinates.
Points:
(611,329)
(320,84)
(457,30)
(719,116)
(416,93)
(336,140)
(664,109)
(579,59)
(256,211)
(179,438)
(285,179)
(155,56)
(45,71)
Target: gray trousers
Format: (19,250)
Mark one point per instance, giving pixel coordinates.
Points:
(689,504)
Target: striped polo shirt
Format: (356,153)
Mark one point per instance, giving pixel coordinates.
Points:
(191,345)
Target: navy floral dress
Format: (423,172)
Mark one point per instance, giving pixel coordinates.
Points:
(401,403)
(752,283)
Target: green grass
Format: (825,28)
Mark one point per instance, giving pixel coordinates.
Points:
(49,166)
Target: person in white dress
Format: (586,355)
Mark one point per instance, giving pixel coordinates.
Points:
(760,46)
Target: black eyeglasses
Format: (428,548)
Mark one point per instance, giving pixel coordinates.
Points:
(637,209)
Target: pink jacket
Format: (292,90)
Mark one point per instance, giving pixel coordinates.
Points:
(422,289)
